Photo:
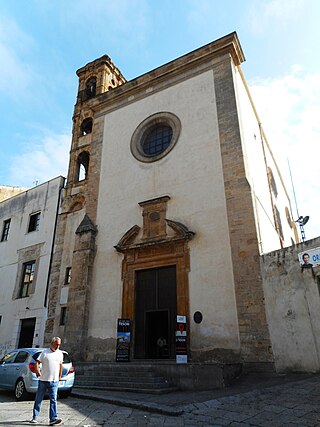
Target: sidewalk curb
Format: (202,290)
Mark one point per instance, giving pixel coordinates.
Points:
(149,407)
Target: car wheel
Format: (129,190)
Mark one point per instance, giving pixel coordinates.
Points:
(64,394)
(20,391)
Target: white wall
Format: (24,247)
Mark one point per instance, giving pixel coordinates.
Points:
(293,309)
(43,198)
(191,174)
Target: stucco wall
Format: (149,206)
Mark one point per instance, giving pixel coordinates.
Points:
(191,174)
(21,247)
(293,308)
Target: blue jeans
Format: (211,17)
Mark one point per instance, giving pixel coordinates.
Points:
(52,387)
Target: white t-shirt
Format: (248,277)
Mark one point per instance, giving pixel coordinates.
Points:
(50,361)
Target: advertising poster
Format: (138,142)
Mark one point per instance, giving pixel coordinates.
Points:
(309,258)
(181,340)
(123,340)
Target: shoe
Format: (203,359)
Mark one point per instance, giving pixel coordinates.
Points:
(55,422)
(33,421)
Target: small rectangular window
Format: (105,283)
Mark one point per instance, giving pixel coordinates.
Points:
(67,279)
(27,279)
(5,230)
(34,222)
(63,316)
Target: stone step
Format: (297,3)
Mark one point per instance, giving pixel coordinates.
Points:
(127,384)
(118,374)
(133,369)
(121,377)
(188,376)
(101,378)
(129,389)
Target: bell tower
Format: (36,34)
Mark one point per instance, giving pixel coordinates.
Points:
(77,219)
(95,79)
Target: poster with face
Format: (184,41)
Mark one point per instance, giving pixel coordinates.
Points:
(309,258)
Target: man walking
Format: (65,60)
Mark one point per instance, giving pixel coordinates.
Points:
(49,377)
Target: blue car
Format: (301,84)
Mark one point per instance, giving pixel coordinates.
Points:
(17,372)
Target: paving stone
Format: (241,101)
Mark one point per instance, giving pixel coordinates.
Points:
(213,404)
(271,407)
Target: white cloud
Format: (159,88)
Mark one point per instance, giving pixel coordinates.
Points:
(289,109)
(42,161)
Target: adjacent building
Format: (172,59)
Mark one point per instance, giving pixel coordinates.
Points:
(7,191)
(27,222)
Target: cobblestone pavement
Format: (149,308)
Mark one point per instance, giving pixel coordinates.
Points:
(294,404)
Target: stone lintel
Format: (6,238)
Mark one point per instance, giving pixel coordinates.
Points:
(163,199)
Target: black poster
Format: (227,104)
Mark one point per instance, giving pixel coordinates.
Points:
(123,340)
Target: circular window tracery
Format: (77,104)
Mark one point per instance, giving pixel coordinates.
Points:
(155,137)
(157,140)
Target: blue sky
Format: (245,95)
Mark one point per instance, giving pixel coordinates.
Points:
(43,43)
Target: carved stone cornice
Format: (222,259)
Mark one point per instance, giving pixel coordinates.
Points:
(129,240)
(180,229)
(154,230)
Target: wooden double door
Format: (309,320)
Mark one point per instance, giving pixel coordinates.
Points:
(155,313)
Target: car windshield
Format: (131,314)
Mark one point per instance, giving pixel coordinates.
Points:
(8,358)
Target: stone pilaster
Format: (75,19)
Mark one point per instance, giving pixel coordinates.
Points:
(253,327)
(76,328)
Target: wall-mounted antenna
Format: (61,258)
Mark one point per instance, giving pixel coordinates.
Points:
(302,220)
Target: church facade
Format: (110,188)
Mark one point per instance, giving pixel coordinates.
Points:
(171,197)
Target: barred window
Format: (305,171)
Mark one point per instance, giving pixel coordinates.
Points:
(157,140)
(155,137)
